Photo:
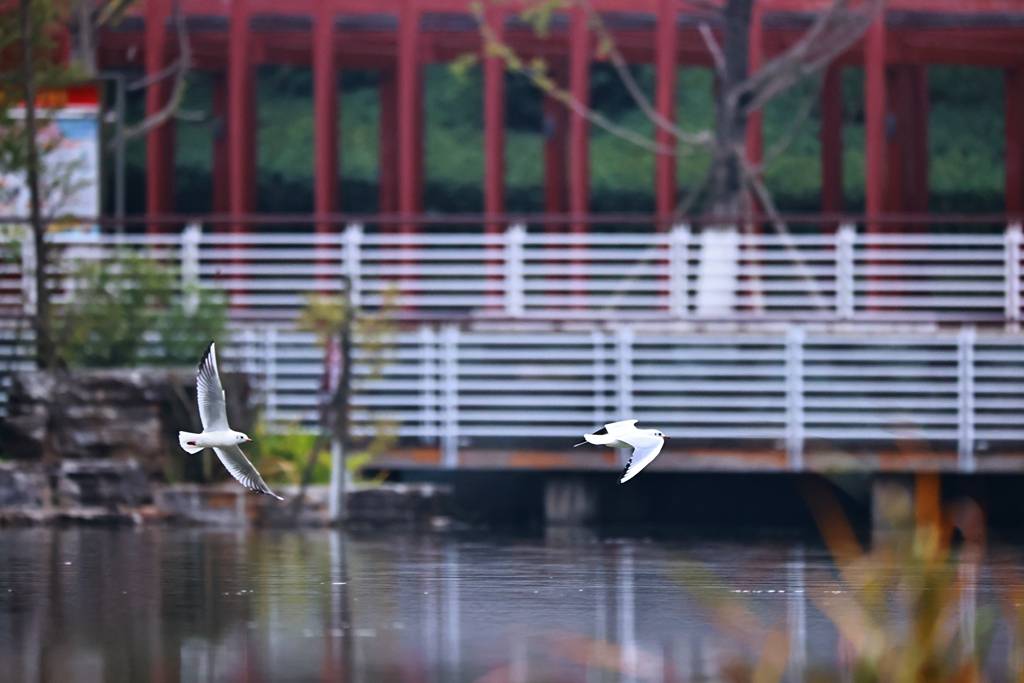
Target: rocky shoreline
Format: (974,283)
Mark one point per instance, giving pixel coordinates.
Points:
(117,491)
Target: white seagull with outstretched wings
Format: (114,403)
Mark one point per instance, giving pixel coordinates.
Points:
(216,433)
(646,444)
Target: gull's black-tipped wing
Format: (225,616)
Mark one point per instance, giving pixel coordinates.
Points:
(212,407)
(238,465)
(645,449)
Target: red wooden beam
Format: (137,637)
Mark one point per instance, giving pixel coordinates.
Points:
(579,89)
(667,42)
(875,115)
(832,141)
(494,123)
(1014,93)
(159,140)
(387,164)
(240,114)
(325,114)
(409,116)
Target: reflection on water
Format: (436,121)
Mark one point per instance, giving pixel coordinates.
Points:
(210,605)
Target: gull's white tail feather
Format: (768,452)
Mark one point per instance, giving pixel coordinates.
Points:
(187,440)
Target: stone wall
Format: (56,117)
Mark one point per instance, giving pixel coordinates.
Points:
(88,414)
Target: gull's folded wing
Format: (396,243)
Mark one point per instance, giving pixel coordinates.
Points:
(242,470)
(618,427)
(212,408)
(645,450)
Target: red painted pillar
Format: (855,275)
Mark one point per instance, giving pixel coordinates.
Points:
(667,41)
(1014,93)
(220,146)
(755,128)
(494,124)
(556,124)
(160,140)
(409,112)
(875,120)
(897,163)
(832,141)
(387,165)
(907,146)
(919,140)
(579,89)
(420,155)
(241,155)
(325,115)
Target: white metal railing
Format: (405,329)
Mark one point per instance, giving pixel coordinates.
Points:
(791,389)
(459,388)
(677,275)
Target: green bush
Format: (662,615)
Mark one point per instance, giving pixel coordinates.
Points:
(281,456)
(130,310)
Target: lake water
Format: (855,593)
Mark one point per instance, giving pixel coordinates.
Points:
(170,604)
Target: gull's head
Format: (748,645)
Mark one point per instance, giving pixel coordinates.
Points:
(660,434)
(242,438)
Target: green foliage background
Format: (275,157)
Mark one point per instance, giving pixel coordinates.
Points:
(965,140)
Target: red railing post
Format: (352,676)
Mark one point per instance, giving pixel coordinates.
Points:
(240,115)
(325,114)
(1014,122)
(665,164)
(579,89)
(832,141)
(409,113)
(875,115)
(159,140)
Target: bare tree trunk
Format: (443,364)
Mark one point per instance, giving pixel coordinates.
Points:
(334,414)
(45,352)
(725,191)
(86,36)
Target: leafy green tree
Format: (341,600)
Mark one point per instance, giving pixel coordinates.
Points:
(32,38)
(131,311)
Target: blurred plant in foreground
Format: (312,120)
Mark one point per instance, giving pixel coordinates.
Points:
(907,612)
(131,310)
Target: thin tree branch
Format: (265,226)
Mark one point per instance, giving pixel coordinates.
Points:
(794,127)
(540,78)
(690,200)
(717,57)
(636,93)
(179,69)
(831,34)
(764,197)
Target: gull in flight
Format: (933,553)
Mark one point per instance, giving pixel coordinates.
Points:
(216,433)
(646,444)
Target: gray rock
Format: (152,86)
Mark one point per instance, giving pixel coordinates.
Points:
(110,413)
(23,486)
(398,503)
(203,504)
(103,483)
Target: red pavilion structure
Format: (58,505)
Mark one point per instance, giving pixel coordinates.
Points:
(230,38)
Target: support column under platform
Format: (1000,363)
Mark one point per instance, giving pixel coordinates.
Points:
(570,500)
